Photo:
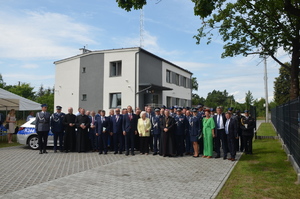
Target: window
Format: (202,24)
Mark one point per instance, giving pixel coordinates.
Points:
(83,70)
(177,102)
(184,82)
(115,69)
(177,79)
(183,102)
(83,97)
(115,100)
(168,79)
(169,102)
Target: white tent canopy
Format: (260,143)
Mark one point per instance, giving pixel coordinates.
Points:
(10,100)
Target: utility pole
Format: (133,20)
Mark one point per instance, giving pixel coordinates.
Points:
(266,90)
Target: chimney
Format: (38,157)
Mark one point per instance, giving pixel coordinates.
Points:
(84,50)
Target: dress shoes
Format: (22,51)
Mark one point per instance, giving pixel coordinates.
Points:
(105,153)
(187,153)
(115,152)
(217,157)
(155,153)
(100,152)
(45,152)
(120,152)
(224,158)
(127,153)
(55,151)
(41,152)
(132,153)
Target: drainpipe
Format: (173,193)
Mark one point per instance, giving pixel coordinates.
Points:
(135,89)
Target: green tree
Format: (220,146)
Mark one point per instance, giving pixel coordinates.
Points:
(23,89)
(196,99)
(194,84)
(249,27)
(46,96)
(2,83)
(219,98)
(255,27)
(248,100)
(282,86)
(260,107)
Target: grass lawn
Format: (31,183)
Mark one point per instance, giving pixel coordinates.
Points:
(4,142)
(265,174)
(266,129)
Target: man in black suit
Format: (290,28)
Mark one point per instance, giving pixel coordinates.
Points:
(129,129)
(102,131)
(220,121)
(231,130)
(116,129)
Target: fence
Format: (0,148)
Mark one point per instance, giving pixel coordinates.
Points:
(286,119)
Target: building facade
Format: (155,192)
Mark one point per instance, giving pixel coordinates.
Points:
(108,79)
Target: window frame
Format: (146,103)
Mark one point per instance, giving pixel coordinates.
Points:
(118,68)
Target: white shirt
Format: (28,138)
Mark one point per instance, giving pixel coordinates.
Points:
(226,126)
(220,117)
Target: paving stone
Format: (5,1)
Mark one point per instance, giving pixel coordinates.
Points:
(26,174)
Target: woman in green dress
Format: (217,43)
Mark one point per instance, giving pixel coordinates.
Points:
(208,134)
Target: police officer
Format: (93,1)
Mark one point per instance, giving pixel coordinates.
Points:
(180,132)
(42,127)
(156,130)
(247,125)
(57,128)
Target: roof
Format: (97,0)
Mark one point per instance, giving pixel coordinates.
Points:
(10,100)
(119,49)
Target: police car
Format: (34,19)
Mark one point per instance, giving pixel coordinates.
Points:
(28,136)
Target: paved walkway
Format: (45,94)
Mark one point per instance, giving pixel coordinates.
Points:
(26,174)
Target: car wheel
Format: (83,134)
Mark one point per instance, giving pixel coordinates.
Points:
(33,142)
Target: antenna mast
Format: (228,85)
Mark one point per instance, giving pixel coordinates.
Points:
(142,28)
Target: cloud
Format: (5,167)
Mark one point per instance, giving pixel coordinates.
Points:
(193,66)
(150,43)
(30,66)
(27,77)
(34,35)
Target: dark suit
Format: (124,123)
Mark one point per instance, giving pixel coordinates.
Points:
(130,126)
(248,133)
(42,127)
(92,134)
(117,130)
(220,136)
(102,128)
(82,136)
(167,147)
(231,130)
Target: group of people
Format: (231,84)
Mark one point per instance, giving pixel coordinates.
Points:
(168,132)
(10,126)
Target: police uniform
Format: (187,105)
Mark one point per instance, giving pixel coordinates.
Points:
(194,129)
(247,126)
(57,128)
(180,132)
(42,127)
(156,130)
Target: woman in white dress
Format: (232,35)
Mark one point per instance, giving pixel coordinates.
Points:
(11,120)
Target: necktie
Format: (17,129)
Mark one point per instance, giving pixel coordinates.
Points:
(117,118)
(218,122)
(93,120)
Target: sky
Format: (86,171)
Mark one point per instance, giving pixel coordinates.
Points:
(34,34)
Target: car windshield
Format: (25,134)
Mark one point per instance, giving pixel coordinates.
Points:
(33,122)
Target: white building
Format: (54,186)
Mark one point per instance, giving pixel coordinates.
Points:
(108,79)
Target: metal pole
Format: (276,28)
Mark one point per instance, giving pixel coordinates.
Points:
(266,90)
